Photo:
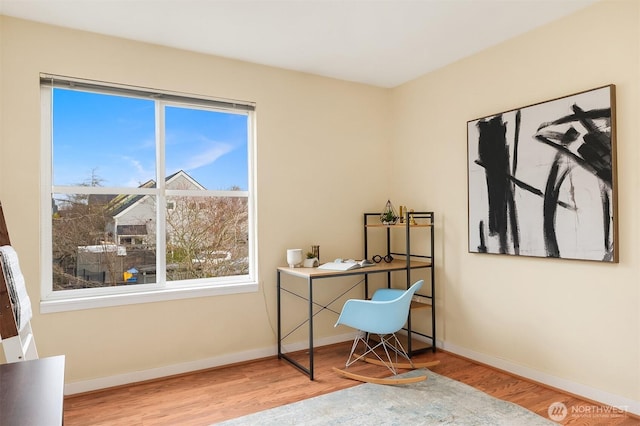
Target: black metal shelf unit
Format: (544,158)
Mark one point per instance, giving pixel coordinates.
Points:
(412,222)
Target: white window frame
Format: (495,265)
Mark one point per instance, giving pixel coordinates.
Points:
(68,300)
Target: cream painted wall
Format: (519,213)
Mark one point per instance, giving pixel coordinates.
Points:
(576,321)
(321,162)
(2,82)
(355,146)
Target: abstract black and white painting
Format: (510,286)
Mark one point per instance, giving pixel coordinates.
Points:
(541,179)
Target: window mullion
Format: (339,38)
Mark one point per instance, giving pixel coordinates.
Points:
(161,198)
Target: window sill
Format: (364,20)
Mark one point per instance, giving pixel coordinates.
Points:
(103,301)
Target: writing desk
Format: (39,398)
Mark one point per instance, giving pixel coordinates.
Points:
(312,274)
(32,392)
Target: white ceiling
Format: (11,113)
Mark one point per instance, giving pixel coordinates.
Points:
(379,42)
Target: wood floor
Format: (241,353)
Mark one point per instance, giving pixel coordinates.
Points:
(214,395)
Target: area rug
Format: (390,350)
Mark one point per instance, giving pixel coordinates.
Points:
(435,401)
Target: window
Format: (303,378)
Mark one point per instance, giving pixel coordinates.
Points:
(113,155)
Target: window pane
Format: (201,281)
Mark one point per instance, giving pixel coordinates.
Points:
(102,240)
(207,237)
(102,140)
(211,146)
(116,160)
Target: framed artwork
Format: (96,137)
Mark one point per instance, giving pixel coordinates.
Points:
(541,179)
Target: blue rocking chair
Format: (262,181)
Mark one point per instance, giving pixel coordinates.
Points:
(383,315)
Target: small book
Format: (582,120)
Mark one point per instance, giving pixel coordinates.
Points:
(345,265)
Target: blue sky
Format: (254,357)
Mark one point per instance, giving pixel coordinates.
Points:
(114,137)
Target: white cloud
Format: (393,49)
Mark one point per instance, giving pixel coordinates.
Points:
(207,157)
(139,174)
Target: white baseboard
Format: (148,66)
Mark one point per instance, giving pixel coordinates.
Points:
(187,367)
(578,389)
(617,401)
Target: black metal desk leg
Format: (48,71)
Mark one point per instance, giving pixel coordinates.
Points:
(279,317)
(310,281)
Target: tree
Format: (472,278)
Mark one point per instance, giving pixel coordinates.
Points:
(79,220)
(207,236)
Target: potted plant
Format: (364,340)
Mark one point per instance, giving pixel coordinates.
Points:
(388,215)
(311,261)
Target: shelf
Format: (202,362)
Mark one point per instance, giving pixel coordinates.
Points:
(420,305)
(417,346)
(398,225)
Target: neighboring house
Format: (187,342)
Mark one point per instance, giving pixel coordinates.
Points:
(205,237)
(129,254)
(133,216)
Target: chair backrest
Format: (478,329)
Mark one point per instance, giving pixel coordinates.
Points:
(379,317)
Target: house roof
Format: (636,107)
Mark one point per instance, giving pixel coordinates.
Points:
(123,202)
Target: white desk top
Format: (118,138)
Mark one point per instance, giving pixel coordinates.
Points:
(394,265)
